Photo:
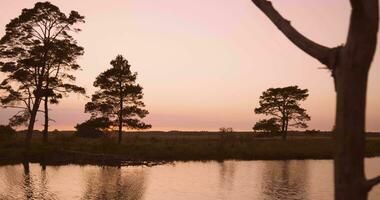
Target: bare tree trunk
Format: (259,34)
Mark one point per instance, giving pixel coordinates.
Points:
(286,128)
(350,66)
(351,76)
(121,119)
(283,128)
(120,129)
(283,133)
(32,121)
(46,124)
(349,137)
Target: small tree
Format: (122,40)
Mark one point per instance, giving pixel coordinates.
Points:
(284,105)
(267,125)
(119,98)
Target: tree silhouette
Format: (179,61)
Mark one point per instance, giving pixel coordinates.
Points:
(284,105)
(58,80)
(349,64)
(119,97)
(267,125)
(36,53)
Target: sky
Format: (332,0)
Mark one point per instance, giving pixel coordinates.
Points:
(204,63)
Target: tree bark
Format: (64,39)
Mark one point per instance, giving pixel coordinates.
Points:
(350,65)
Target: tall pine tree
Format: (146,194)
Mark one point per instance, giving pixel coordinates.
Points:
(119,97)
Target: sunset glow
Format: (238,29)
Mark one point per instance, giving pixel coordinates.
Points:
(204,64)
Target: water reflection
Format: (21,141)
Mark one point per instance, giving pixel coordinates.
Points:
(28,182)
(114,183)
(226,174)
(243,180)
(285,180)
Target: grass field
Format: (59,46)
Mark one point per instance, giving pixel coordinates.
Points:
(65,147)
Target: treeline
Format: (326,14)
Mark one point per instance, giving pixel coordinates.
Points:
(38,55)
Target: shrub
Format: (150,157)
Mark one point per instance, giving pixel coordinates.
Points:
(93,128)
(312,132)
(55,131)
(6,130)
(267,125)
(226,130)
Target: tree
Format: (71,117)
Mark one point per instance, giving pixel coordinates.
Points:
(284,105)
(267,125)
(37,45)
(119,97)
(58,81)
(349,64)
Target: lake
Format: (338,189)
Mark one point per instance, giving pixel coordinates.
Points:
(240,180)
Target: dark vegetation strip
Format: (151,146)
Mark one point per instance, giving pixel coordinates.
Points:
(153,148)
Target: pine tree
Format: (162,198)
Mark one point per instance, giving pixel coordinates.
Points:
(119,97)
(284,105)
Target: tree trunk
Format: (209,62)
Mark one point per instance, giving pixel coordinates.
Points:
(120,129)
(283,129)
(46,124)
(349,136)
(351,76)
(120,119)
(32,121)
(286,128)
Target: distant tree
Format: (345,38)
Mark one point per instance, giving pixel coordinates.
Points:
(94,127)
(284,105)
(36,53)
(119,98)
(226,129)
(267,125)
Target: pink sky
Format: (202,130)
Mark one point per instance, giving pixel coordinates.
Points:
(204,63)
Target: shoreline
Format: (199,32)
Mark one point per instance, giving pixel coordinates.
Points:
(151,148)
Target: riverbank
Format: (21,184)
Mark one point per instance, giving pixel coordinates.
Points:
(153,148)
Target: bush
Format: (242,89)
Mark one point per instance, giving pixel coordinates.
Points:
(6,130)
(312,132)
(55,131)
(93,128)
(267,125)
(226,130)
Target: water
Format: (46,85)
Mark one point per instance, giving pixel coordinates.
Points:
(240,180)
